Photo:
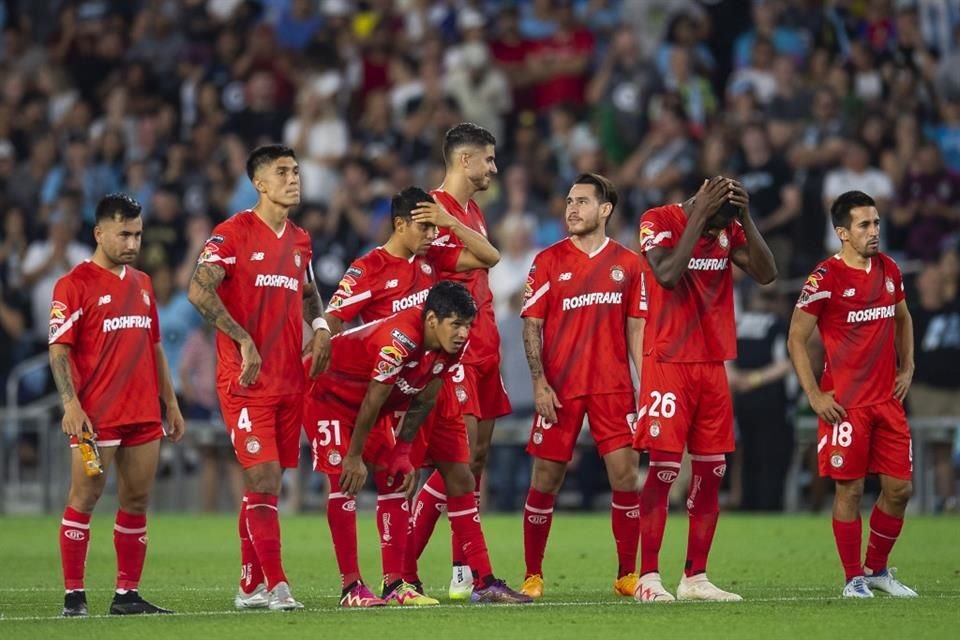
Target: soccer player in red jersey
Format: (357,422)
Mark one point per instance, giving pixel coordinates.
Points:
(110,370)
(584,295)
(684,396)
(469,153)
(254,283)
(856,300)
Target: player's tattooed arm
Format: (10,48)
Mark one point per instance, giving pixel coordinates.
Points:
(202,293)
(75,419)
(420,408)
(312,303)
(533,346)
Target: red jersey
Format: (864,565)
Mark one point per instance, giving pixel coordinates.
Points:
(390,351)
(263,291)
(379,284)
(584,301)
(484,338)
(855,315)
(110,322)
(693,322)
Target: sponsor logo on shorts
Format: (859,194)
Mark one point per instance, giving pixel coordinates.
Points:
(334,458)
(667,475)
(534,518)
(654,429)
(836,461)
(75,534)
(252,445)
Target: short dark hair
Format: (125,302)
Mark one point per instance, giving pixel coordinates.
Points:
(402,204)
(117,204)
(606,192)
(465,134)
(448,299)
(845,203)
(265,154)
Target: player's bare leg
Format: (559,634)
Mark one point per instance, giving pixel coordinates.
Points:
(886,522)
(74,536)
(545,483)
(847,533)
(263,482)
(623,473)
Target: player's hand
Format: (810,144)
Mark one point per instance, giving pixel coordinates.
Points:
(547,402)
(250,367)
(398,465)
(353,475)
(739,198)
(824,405)
(432,213)
(175,423)
(320,350)
(902,385)
(712,194)
(75,419)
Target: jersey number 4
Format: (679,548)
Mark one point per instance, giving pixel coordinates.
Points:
(243,423)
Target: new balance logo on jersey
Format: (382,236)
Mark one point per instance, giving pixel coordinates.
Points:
(708,264)
(257,256)
(104,300)
(392,284)
(411,300)
(566,275)
(869,315)
(849,293)
(127,322)
(285,282)
(587,299)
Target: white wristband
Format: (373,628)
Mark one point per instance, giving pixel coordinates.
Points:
(320,323)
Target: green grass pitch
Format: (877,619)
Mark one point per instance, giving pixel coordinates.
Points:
(785,567)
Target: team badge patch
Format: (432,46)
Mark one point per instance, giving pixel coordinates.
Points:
(252,445)
(537,438)
(654,429)
(334,458)
(836,461)
(889,284)
(146,297)
(427,269)
(461,394)
(296,259)
(437,368)
(723,239)
(616,273)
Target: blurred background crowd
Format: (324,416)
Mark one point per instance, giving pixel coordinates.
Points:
(800,100)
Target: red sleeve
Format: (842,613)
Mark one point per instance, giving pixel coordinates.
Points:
(637,292)
(897,280)
(656,231)
(354,292)
(154,316)
(444,257)
(391,349)
(221,248)
(738,236)
(816,291)
(66,309)
(536,301)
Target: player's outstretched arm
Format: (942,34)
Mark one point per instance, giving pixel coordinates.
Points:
(904,338)
(754,257)
(74,417)
(169,396)
(801,328)
(313,313)
(478,253)
(545,398)
(354,473)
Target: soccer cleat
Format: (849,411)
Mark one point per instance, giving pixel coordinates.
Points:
(358,595)
(650,589)
(280,598)
(130,603)
(626,585)
(698,587)
(75,604)
(857,588)
(887,582)
(404,595)
(461,586)
(532,586)
(259,598)
(497,592)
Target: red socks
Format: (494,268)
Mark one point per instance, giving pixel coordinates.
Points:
(74,540)
(456,546)
(625,519)
(654,501)
(465,525)
(537,517)
(342,519)
(703,508)
(130,542)
(263,522)
(429,503)
(884,530)
(849,537)
(393,523)
(251,573)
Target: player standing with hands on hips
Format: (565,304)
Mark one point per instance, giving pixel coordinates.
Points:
(856,300)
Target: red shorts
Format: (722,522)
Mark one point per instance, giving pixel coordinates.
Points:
(443,435)
(611,415)
(263,429)
(873,439)
(481,387)
(685,405)
(329,425)
(128,435)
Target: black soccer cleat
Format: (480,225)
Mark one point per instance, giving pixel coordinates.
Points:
(130,603)
(75,604)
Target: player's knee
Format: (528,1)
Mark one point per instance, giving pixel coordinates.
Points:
(547,479)
(850,492)
(899,493)
(84,498)
(478,457)
(459,481)
(135,502)
(625,478)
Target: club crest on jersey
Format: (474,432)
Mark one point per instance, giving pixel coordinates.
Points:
(836,460)
(888,283)
(387,368)
(296,258)
(723,239)
(146,297)
(334,458)
(461,394)
(58,312)
(654,429)
(437,368)
(616,273)
(427,269)
(252,445)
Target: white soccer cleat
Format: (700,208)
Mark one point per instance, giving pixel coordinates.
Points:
(650,589)
(698,587)
(857,588)
(281,599)
(259,598)
(887,582)
(461,586)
